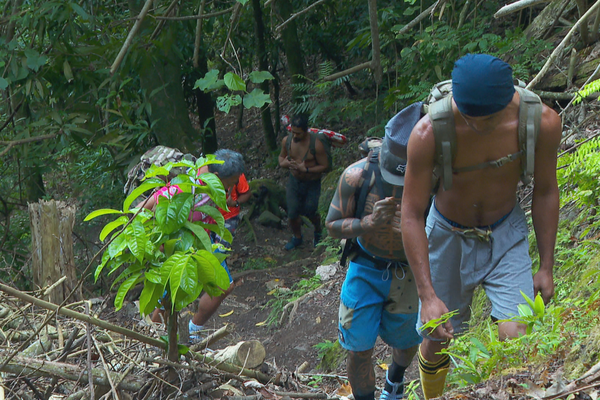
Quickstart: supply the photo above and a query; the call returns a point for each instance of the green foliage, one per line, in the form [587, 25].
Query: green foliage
[259, 263]
[284, 296]
[233, 82]
[331, 355]
[589, 89]
[164, 250]
[434, 323]
[579, 172]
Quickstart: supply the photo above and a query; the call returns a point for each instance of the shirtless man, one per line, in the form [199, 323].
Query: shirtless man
[379, 296]
[476, 233]
[304, 183]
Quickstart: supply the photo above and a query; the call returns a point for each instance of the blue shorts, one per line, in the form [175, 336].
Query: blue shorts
[460, 261]
[378, 302]
[302, 197]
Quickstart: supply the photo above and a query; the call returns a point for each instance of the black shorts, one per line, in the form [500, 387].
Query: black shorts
[302, 197]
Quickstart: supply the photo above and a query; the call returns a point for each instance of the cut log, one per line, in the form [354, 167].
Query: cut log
[249, 354]
[52, 249]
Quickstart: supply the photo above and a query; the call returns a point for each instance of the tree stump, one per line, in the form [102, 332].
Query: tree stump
[52, 249]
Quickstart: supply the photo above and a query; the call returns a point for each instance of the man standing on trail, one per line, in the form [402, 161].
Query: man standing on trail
[304, 183]
[476, 233]
[379, 296]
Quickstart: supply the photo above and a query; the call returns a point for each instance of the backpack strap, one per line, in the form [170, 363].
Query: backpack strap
[311, 145]
[530, 119]
[367, 184]
[444, 132]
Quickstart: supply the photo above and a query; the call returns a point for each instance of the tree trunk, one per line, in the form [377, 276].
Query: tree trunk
[160, 77]
[263, 65]
[205, 106]
[292, 48]
[52, 249]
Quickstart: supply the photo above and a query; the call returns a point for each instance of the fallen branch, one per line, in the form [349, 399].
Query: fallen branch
[132, 33]
[223, 366]
[296, 15]
[212, 338]
[82, 317]
[35, 367]
[516, 6]
[348, 71]
[562, 95]
[562, 44]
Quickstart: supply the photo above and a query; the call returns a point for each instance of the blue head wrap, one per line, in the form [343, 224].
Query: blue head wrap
[481, 84]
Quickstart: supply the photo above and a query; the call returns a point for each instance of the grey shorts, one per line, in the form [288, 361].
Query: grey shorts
[302, 197]
[460, 262]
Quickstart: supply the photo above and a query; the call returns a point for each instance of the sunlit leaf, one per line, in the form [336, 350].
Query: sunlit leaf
[102, 211]
[234, 82]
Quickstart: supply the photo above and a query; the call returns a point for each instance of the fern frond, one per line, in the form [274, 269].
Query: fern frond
[326, 68]
[587, 90]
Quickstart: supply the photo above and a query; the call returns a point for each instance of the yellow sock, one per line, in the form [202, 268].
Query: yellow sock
[433, 375]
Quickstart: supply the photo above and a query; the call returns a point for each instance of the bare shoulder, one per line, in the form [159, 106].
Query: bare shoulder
[352, 174]
[284, 141]
[422, 141]
[550, 129]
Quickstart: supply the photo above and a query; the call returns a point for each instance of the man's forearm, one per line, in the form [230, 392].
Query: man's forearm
[349, 228]
[544, 212]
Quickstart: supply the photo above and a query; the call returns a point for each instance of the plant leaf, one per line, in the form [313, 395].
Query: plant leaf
[103, 211]
[256, 98]
[124, 288]
[111, 226]
[171, 214]
[137, 192]
[234, 82]
[260, 76]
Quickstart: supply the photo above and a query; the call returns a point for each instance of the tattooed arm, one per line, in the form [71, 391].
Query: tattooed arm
[340, 221]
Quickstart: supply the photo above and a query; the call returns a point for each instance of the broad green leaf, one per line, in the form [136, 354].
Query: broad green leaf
[149, 297]
[136, 240]
[154, 275]
[225, 102]
[218, 217]
[538, 306]
[137, 192]
[117, 246]
[111, 226]
[189, 278]
[124, 288]
[210, 81]
[200, 233]
[156, 170]
[186, 240]
[116, 263]
[181, 348]
[105, 258]
[256, 98]
[525, 310]
[234, 82]
[528, 300]
[175, 265]
[170, 246]
[100, 212]
[216, 191]
[260, 76]
[3, 83]
[127, 272]
[171, 214]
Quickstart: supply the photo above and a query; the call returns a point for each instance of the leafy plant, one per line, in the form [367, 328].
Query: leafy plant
[331, 354]
[284, 296]
[587, 90]
[233, 82]
[434, 323]
[172, 256]
[579, 171]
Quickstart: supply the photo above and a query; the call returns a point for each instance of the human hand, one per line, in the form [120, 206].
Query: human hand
[543, 283]
[433, 309]
[383, 211]
[293, 163]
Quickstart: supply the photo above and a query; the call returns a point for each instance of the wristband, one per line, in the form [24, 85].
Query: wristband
[307, 170]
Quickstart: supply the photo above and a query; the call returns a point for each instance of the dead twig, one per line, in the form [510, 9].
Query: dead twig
[296, 15]
[517, 6]
[130, 36]
[558, 50]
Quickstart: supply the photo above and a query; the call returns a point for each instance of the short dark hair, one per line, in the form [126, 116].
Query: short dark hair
[300, 121]
[233, 164]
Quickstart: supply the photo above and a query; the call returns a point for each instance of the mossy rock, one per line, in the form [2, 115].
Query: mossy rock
[267, 195]
[584, 355]
[328, 186]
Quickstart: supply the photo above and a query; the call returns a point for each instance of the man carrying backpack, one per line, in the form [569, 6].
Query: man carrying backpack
[379, 296]
[307, 160]
[476, 233]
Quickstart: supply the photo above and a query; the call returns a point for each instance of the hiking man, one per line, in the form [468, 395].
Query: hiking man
[229, 173]
[304, 183]
[379, 296]
[476, 233]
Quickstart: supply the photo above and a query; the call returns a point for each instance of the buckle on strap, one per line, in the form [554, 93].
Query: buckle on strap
[483, 235]
[505, 160]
